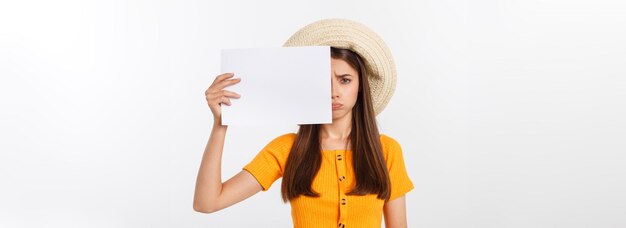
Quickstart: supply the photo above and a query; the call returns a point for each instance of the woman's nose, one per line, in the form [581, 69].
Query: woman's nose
[335, 92]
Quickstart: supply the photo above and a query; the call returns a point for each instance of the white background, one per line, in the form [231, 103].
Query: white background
[510, 113]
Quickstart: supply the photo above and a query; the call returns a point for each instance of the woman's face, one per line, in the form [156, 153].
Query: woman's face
[345, 88]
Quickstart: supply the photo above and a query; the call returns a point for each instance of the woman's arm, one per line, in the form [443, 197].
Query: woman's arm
[211, 194]
[395, 213]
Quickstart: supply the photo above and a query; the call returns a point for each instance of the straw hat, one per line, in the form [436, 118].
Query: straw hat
[347, 34]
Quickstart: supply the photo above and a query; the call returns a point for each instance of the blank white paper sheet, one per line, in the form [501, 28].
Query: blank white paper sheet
[279, 86]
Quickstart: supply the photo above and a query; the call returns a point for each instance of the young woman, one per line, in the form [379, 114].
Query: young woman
[343, 174]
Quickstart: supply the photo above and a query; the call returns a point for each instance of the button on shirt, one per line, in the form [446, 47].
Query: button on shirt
[335, 178]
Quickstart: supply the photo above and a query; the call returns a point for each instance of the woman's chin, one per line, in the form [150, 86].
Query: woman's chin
[338, 114]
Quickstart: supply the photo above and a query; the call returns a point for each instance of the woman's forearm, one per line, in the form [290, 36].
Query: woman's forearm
[209, 181]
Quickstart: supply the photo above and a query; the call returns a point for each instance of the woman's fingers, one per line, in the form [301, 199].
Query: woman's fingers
[226, 101]
[225, 80]
[222, 81]
[222, 96]
[217, 95]
[230, 94]
[228, 82]
[222, 93]
[222, 77]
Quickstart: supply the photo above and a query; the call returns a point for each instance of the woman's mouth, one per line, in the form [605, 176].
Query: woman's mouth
[337, 106]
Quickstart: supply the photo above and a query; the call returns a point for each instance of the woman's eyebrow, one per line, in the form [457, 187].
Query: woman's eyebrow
[343, 75]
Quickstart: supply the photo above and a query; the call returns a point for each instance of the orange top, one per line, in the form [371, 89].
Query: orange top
[334, 179]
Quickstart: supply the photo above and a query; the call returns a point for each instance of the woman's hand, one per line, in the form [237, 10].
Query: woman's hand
[216, 95]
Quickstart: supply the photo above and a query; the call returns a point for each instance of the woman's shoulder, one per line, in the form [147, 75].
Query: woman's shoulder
[388, 141]
[286, 137]
[390, 146]
[282, 141]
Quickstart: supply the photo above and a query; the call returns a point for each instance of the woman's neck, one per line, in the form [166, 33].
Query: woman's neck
[339, 130]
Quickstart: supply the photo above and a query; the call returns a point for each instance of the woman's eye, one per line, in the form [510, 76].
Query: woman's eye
[345, 80]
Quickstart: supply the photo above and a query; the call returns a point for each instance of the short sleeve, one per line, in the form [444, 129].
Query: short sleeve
[399, 178]
[268, 165]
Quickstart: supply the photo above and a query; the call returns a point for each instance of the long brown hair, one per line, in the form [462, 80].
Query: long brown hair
[370, 169]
